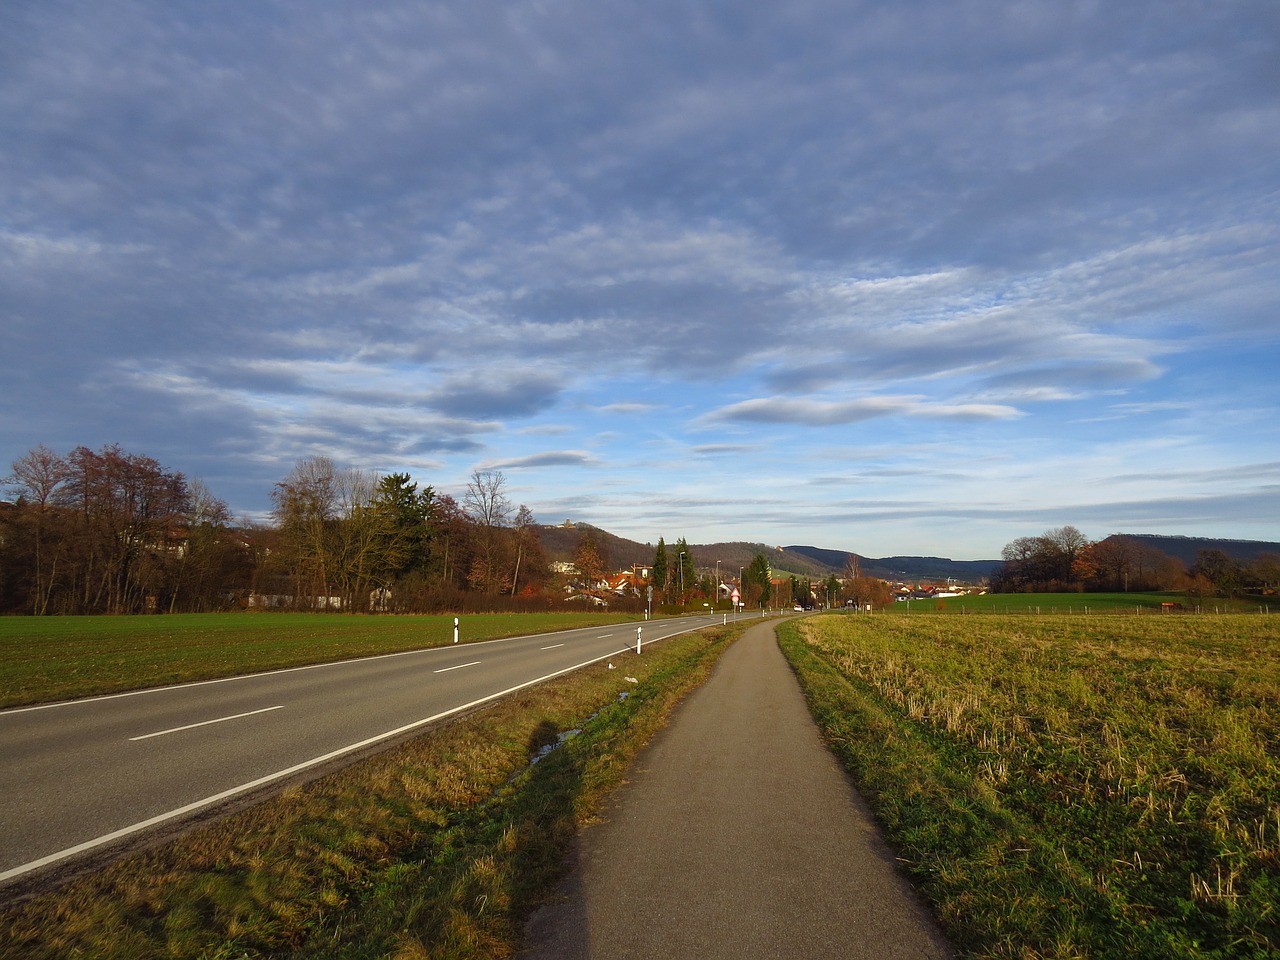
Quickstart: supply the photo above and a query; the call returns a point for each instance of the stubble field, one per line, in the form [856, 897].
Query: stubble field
[1067, 786]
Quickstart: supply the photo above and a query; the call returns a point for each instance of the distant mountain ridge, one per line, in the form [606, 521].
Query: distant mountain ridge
[1186, 548]
[903, 568]
[560, 543]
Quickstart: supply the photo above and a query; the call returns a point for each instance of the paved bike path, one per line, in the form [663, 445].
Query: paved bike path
[738, 835]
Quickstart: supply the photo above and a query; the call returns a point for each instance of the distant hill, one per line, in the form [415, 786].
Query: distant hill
[1186, 548]
[561, 542]
[903, 568]
[782, 561]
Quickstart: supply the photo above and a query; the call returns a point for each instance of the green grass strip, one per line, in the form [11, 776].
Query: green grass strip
[438, 848]
[44, 659]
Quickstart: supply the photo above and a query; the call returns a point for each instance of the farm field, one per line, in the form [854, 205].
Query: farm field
[1059, 786]
[56, 658]
[1085, 604]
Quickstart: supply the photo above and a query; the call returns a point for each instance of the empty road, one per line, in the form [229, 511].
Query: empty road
[78, 776]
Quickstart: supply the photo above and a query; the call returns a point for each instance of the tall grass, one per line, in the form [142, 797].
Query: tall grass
[1064, 787]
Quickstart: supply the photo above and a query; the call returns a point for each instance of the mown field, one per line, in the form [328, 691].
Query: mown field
[1067, 786]
[56, 658]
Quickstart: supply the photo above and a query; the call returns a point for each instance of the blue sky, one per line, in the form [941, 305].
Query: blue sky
[898, 278]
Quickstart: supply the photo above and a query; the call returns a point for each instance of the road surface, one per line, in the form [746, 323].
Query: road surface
[80, 776]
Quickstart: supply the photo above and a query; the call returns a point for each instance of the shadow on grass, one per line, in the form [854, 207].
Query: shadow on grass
[556, 924]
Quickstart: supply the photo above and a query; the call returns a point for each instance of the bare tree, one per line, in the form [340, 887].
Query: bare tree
[128, 514]
[487, 504]
[525, 538]
[36, 477]
[200, 559]
[305, 510]
[486, 499]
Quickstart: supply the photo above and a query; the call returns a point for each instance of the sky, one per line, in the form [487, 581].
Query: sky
[908, 278]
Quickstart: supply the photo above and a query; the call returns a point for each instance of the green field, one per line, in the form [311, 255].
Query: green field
[1067, 786]
[1084, 604]
[55, 658]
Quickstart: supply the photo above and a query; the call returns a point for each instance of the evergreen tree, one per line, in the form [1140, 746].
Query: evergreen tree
[758, 581]
[660, 567]
[684, 578]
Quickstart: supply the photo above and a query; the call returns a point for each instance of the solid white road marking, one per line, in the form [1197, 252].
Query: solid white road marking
[203, 723]
[458, 667]
[278, 775]
[290, 771]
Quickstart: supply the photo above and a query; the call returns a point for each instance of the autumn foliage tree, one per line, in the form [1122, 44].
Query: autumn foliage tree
[589, 558]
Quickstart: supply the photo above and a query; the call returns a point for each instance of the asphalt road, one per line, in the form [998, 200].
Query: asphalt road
[80, 776]
[736, 835]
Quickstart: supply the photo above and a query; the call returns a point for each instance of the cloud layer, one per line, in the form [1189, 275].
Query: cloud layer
[666, 267]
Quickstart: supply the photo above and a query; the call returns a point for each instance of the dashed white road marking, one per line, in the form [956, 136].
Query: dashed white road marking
[457, 667]
[203, 723]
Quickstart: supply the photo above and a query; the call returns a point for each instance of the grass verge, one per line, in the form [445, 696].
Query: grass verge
[58, 658]
[438, 848]
[1067, 788]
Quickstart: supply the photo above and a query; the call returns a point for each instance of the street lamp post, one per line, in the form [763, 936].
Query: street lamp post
[717, 603]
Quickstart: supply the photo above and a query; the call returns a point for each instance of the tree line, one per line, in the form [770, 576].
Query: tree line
[1063, 559]
[108, 531]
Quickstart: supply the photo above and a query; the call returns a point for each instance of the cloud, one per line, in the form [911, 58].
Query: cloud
[724, 449]
[824, 413]
[555, 458]
[641, 408]
[417, 236]
[486, 393]
[1066, 381]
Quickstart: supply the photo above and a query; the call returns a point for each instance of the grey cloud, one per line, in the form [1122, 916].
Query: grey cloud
[294, 226]
[1168, 513]
[492, 392]
[557, 458]
[724, 449]
[816, 413]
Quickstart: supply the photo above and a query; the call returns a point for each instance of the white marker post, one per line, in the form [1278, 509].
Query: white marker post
[637, 641]
[455, 629]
